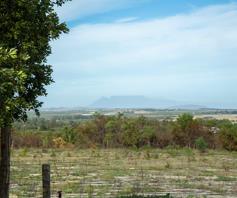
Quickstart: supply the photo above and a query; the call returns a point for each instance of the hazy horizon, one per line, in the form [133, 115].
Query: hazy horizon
[165, 103]
[183, 50]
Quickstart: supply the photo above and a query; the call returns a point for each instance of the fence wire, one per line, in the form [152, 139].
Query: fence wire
[90, 178]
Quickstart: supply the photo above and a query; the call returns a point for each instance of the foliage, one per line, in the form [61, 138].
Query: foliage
[130, 135]
[120, 131]
[228, 137]
[201, 144]
[69, 135]
[187, 130]
[26, 29]
[59, 142]
[184, 121]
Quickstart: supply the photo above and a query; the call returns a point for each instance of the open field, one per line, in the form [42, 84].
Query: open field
[81, 114]
[231, 117]
[113, 172]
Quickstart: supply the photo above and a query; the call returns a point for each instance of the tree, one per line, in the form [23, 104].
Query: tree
[184, 121]
[181, 131]
[228, 137]
[100, 121]
[69, 134]
[26, 28]
[187, 130]
[130, 135]
[111, 129]
[148, 134]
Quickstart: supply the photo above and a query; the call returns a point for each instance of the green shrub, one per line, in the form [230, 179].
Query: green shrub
[228, 137]
[201, 144]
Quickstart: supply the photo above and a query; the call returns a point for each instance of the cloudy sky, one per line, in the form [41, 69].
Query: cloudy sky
[183, 50]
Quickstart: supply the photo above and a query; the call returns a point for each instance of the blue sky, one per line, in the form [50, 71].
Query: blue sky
[183, 50]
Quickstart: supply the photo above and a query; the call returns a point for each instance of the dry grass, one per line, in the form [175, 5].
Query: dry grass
[113, 172]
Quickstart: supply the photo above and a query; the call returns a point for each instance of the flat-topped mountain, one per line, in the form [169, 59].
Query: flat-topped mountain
[132, 102]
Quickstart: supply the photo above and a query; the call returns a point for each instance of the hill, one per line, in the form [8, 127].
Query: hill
[132, 102]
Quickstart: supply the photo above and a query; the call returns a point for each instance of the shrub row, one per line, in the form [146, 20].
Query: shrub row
[119, 131]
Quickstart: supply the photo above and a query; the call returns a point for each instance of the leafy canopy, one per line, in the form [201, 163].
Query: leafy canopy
[26, 29]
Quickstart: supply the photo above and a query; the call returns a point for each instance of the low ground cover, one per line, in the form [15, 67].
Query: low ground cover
[122, 172]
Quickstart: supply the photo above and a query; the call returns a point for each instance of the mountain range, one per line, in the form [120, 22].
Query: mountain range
[140, 102]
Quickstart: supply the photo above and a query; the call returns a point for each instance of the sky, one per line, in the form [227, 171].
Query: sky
[182, 50]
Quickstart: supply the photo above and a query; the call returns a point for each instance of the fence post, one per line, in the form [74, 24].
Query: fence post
[46, 180]
[59, 194]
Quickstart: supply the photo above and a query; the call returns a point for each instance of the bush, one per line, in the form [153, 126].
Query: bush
[59, 142]
[201, 144]
[120, 131]
[228, 137]
[26, 140]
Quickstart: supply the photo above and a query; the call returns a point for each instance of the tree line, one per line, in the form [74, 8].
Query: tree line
[120, 131]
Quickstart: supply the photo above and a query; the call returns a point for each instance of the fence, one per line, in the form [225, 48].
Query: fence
[80, 179]
[100, 177]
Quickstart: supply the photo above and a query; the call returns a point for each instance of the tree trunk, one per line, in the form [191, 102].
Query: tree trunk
[5, 162]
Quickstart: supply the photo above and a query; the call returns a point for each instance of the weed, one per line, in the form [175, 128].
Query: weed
[23, 152]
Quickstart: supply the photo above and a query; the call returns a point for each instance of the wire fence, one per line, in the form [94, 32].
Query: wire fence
[79, 179]
[87, 178]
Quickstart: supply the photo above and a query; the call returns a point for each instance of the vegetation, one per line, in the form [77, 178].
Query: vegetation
[27, 27]
[201, 144]
[228, 137]
[108, 173]
[117, 156]
[142, 154]
[140, 196]
[120, 131]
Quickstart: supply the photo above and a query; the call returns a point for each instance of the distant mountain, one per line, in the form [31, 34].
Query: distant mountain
[132, 102]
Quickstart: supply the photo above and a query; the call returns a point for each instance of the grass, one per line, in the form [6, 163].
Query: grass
[121, 172]
[141, 196]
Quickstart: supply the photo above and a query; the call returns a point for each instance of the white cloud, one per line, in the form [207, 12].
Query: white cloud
[81, 8]
[115, 57]
[126, 20]
[204, 34]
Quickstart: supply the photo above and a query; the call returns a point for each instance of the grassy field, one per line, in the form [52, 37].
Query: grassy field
[117, 172]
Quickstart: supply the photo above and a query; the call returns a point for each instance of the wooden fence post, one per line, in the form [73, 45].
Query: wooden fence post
[46, 180]
[59, 194]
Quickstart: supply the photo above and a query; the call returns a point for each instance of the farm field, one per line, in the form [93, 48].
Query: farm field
[231, 117]
[116, 172]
